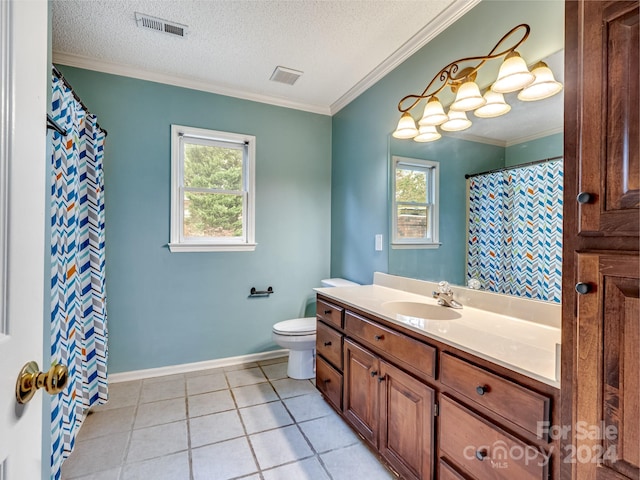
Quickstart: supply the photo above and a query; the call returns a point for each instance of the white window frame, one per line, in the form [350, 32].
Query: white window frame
[178, 242]
[433, 170]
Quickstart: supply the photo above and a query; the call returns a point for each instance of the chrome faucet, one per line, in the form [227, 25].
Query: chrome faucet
[445, 296]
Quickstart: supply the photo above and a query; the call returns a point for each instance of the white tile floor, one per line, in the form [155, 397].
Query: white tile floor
[244, 422]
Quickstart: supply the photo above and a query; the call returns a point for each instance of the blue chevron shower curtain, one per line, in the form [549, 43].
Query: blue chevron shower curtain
[515, 231]
[78, 298]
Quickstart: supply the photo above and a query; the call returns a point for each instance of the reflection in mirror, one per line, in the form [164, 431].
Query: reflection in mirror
[530, 132]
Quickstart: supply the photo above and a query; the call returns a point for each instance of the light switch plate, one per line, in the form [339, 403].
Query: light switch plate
[379, 242]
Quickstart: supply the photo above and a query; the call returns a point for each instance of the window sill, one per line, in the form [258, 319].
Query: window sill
[208, 247]
[416, 246]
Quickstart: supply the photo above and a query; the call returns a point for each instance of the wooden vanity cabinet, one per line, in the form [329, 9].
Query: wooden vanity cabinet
[415, 400]
[329, 340]
[392, 410]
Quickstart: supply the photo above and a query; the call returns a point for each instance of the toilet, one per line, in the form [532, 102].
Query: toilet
[298, 335]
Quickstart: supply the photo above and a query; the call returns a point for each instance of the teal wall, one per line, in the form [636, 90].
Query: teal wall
[539, 149]
[172, 308]
[360, 146]
[456, 158]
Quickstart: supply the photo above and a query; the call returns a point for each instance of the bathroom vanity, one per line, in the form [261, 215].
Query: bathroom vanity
[439, 392]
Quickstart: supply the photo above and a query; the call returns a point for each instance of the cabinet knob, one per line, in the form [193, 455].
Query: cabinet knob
[374, 373]
[378, 337]
[327, 312]
[584, 197]
[381, 379]
[327, 344]
[326, 381]
[482, 389]
[481, 454]
[583, 288]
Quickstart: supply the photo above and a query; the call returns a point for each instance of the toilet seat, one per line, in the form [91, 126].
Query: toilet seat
[296, 327]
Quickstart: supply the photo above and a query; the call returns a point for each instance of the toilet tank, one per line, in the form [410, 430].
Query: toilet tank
[337, 282]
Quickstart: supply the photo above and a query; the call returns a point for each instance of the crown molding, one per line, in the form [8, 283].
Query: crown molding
[535, 136]
[113, 68]
[475, 138]
[436, 26]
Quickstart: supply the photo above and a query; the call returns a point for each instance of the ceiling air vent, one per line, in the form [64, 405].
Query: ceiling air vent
[160, 25]
[285, 75]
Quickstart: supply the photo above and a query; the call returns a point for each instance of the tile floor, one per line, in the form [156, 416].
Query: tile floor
[243, 422]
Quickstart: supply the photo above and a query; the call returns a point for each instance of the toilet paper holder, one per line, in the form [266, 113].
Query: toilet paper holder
[260, 293]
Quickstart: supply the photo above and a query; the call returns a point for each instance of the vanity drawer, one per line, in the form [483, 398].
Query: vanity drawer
[329, 313]
[447, 472]
[507, 399]
[329, 344]
[329, 382]
[416, 357]
[484, 450]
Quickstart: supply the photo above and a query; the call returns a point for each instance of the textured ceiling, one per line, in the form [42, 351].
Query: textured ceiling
[234, 46]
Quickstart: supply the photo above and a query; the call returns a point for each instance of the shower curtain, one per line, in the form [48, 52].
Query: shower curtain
[515, 231]
[78, 296]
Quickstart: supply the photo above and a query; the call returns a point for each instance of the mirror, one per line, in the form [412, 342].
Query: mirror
[531, 131]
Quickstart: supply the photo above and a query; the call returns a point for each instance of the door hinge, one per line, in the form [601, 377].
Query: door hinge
[436, 410]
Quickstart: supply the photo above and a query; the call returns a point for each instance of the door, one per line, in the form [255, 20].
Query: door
[406, 423]
[609, 151]
[361, 377]
[609, 393]
[23, 166]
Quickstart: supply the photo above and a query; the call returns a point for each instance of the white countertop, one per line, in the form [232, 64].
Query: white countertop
[523, 346]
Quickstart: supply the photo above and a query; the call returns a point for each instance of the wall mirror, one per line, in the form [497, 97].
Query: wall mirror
[530, 132]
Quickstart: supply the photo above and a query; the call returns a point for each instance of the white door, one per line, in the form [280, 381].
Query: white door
[23, 165]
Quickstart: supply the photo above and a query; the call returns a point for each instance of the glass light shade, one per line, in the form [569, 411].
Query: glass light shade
[494, 107]
[406, 127]
[457, 121]
[427, 133]
[467, 98]
[433, 113]
[544, 86]
[513, 75]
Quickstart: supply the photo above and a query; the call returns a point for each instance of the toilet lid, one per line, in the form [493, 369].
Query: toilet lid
[296, 326]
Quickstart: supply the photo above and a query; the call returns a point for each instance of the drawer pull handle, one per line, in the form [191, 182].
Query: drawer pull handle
[583, 288]
[374, 373]
[482, 389]
[481, 454]
[381, 379]
[326, 381]
[327, 344]
[379, 337]
[327, 312]
[584, 197]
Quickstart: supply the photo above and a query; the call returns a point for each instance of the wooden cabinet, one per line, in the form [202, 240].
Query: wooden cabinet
[361, 369]
[406, 422]
[601, 313]
[392, 410]
[390, 383]
[497, 394]
[329, 338]
[484, 450]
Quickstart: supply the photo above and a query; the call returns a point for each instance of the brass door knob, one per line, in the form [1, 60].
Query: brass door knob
[31, 379]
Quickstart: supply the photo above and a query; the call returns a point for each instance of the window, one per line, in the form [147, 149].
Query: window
[212, 190]
[415, 203]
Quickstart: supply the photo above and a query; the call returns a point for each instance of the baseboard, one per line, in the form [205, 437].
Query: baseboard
[194, 367]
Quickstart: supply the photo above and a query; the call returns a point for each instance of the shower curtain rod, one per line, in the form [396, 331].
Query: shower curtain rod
[58, 74]
[512, 167]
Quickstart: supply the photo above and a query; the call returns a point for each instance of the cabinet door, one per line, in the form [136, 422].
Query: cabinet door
[361, 371]
[608, 153]
[608, 386]
[406, 423]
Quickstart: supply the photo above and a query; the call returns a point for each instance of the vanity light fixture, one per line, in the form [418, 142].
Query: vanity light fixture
[512, 76]
[494, 106]
[457, 121]
[544, 86]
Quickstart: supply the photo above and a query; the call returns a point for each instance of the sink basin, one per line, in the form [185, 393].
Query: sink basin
[421, 310]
